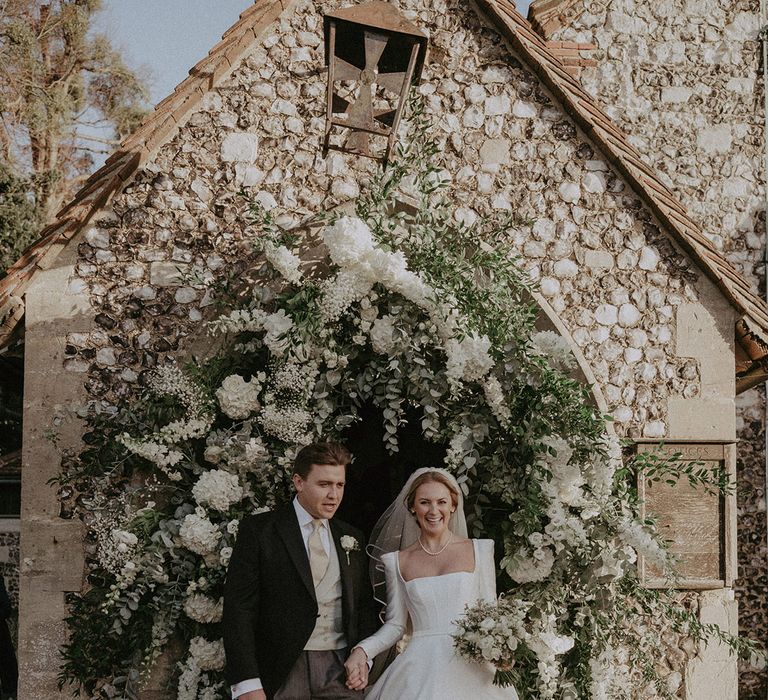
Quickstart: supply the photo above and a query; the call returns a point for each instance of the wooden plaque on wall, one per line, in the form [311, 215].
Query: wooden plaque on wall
[700, 526]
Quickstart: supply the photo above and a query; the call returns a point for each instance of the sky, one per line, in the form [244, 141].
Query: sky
[163, 39]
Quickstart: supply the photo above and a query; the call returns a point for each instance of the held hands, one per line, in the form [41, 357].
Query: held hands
[357, 669]
[253, 695]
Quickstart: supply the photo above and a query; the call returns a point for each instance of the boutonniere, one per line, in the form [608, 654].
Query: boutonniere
[349, 544]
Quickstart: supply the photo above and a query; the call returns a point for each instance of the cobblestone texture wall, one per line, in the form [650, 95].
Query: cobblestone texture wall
[612, 276]
[683, 79]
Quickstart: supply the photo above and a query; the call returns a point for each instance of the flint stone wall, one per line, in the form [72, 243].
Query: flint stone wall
[683, 79]
[653, 330]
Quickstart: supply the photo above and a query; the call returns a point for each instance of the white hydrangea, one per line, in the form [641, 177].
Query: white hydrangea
[218, 489]
[198, 534]
[383, 335]
[468, 358]
[555, 347]
[284, 261]
[208, 655]
[201, 608]
[238, 398]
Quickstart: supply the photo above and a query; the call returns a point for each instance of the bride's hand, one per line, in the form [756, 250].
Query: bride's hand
[357, 669]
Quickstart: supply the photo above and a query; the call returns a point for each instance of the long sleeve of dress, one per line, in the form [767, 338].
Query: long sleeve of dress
[487, 569]
[396, 614]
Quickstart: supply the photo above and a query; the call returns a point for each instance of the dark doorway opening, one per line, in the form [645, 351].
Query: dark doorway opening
[375, 477]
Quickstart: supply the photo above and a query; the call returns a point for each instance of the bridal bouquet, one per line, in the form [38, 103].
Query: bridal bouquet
[491, 632]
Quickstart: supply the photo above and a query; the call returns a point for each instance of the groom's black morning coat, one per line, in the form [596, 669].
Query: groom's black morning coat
[269, 598]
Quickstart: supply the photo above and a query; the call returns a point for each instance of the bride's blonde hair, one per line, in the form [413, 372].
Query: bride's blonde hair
[425, 478]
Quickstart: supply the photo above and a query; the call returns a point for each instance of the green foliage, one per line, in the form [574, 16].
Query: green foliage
[19, 218]
[62, 87]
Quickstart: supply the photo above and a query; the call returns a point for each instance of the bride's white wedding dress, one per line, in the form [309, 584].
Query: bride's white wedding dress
[430, 668]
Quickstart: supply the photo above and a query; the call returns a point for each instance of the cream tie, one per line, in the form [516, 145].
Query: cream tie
[318, 557]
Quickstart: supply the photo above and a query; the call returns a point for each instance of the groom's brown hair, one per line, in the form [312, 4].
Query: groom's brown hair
[320, 453]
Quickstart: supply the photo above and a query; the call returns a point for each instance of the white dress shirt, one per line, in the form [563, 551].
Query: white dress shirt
[305, 525]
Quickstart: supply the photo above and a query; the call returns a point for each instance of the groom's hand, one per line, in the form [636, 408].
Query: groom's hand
[253, 695]
[357, 669]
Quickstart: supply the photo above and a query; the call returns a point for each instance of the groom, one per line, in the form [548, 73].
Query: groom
[297, 596]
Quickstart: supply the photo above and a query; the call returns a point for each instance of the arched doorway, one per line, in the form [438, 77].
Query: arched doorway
[375, 477]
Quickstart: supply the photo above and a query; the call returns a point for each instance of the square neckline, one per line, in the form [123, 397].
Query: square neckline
[448, 573]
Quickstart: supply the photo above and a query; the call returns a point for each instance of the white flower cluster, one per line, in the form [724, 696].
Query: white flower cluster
[239, 321]
[555, 348]
[179, 430]
[203, 656]
[284, 261]
[340, 292]
[209, 655]
[199, 534]
[248, 456]
[610, 674]
[201, 608]
[169, 380]
[160, 455]
[287, 423]
[639, 537]
[494, 395]
[239, 398]
[491, 632]
[296, 378]
[527, 566]
[277, 326]
[468, 358]
[382, 335]
[548, 644]
[565, 485]
[218, 489]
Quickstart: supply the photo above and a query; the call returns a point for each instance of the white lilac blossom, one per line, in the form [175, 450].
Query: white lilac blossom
[284, 261]
[201, 608]
[239, 398]
[218, 489]
[494, 395]
[340, 292]
[199, 534]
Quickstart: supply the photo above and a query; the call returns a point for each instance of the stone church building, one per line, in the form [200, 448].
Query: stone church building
[627, 133]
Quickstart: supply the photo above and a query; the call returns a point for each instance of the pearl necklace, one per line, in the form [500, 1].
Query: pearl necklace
[439, 551]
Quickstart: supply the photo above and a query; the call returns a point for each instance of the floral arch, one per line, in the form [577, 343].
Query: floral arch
[409, 311]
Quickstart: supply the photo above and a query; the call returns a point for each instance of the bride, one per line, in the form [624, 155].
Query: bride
[431, 571]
